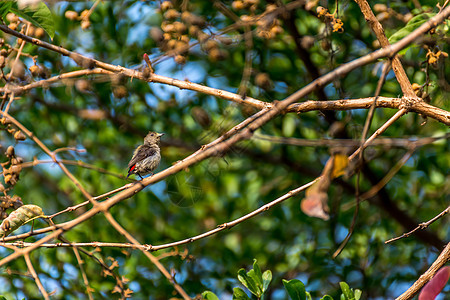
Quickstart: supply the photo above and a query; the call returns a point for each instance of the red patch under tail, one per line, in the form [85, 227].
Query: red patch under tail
[130, 171]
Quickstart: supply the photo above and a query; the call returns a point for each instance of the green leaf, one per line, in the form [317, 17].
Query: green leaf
[308, 296]
[358, 294]
[208, 295]
[249, 282]
[348, 294]
[421, 18]
[5, 8]
[295, 289]
[412, 25]
[267, 278]
[239, 294]
[39, 15]
[326, 297]
[257, 271]
[257, 278]
[289, 125]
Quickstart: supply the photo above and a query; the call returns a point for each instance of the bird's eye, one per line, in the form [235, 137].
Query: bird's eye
[152, 134]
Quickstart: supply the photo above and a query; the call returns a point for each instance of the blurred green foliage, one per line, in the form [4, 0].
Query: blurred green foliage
[249, 175]
[257, 284]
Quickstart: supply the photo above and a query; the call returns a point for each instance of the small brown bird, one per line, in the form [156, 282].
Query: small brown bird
[146, 157]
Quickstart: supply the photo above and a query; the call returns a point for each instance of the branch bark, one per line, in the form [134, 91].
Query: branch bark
[236, 134]
[442, 259]
[376, 27]
[412, 102]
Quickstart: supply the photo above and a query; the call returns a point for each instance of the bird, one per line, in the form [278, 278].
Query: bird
[146, 157]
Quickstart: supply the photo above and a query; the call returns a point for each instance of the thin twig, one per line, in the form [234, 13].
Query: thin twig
[22, 244]
[106, 269]
[380, 130]
[19, 53]
[49, 153]
[55, 79]
[386, 142]
[151, 257]
[73, 163]
[377, 187]
[91, 10]
[387, 178]
[11, 99]
[68, 209]
[83, 273]
[418, 106]
[62, 149]
[444, 5]
[386, 68]
[245, 133]
[35, 276]
[355, 215]
[377, 28]
[97, 198]
[231, 224]
[421, 226]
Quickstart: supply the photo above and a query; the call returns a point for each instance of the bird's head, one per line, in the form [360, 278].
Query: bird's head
[153, 137]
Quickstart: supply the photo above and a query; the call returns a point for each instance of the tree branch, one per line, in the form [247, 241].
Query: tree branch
[238, 133]
[442, 259]
[421, 226]
[417, 105]
[376, 27]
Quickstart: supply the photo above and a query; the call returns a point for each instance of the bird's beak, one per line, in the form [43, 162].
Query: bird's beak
[160, 134]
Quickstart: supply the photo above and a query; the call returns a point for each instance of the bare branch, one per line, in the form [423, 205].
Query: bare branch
[231, 224]
[35, 276]
[376, 27]
[47, 82]
[421, 226]
[78, 163]
[21, 244]
[386, 142]
[416, 106]
[83, 273]
[236, 133]
[49, 153]
[380, 130]
[442, 259]
[152, 258]
[386, 68]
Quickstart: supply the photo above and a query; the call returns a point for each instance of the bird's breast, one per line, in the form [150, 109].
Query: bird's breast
[149, 163]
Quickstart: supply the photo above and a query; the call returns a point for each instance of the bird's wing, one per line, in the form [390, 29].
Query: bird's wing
[141, 153]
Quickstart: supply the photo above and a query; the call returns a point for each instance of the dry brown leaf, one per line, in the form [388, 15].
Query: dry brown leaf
[19, 217]
[315, 205]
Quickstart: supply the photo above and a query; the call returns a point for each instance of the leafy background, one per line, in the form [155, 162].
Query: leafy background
[283, 239]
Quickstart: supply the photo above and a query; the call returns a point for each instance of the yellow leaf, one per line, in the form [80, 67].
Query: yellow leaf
[340, 164]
